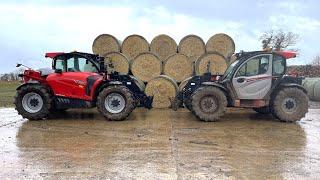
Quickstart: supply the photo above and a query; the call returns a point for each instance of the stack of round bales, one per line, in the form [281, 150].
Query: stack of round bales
[163, 63]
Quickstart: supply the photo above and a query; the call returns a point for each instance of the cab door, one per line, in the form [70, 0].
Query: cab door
[253, 79]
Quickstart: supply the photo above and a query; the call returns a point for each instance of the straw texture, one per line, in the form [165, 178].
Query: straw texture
[178, 67]
[221, 43]
[192, 46]
[146, 66]
[105, 43]
[134, 45]
[163, 46]
[217, 63]
[119, 61]
[163, 89]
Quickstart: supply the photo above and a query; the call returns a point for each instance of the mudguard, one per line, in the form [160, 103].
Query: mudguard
[293, 85]
[215, 85]
[29, 82]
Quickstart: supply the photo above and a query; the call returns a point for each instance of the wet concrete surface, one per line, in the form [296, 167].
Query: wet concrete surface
[159, 144]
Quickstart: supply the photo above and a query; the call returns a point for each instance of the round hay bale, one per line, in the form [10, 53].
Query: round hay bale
[134, 45]
[183, 83]
[217, 62]
[163, 46]
[178, 67]
[139, 83]
[146, 66]
[105, 43]
[192, 46]
[221, 43]
[163, 89]
[119, 61]
[310, 86]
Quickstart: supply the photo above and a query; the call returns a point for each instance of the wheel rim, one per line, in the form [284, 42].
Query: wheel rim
[114, 103]
[208, 104]
[32, 102]
[289, 105]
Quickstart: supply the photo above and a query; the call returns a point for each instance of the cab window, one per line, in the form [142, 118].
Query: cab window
[60, 64]
[80, 64]
[75, 64]
[255, 66]
[278, 65]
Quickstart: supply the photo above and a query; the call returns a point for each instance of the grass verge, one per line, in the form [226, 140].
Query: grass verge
[7, 92]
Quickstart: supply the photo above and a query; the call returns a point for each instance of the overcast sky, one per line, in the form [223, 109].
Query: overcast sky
[28, 29]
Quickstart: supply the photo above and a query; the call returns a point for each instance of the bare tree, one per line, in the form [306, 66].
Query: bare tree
[316, 61]
[278, 40]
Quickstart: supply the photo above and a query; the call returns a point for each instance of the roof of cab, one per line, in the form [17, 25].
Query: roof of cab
[53, 54]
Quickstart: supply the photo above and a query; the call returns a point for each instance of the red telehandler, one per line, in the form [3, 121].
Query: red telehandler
[78, 80]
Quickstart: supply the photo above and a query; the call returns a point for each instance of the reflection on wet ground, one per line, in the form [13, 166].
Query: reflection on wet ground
[160, 143]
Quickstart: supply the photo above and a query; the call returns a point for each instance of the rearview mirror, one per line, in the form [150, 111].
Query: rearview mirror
[58, 71]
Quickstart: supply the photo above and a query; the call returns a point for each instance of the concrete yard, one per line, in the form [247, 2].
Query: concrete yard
[159, 144]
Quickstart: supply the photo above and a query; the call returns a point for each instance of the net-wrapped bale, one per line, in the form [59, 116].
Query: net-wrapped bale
[119, 62]
[214, 62]
[183, 83]
[312, 86]
[221, 43]
[192, 46]
[163, 89]
[105, 43]
[134, 45]
[146, 66]
[163, 46]
[139, 83]
[178, 67]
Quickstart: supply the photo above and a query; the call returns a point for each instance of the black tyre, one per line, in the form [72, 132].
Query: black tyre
[115, 102]
[262, 110]
[208, 103]
[289, 105]
[33, 101]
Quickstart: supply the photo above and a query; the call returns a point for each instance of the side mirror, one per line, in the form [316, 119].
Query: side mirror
[58, 71]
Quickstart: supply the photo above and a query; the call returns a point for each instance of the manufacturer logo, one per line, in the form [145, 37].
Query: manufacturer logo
[79, 82]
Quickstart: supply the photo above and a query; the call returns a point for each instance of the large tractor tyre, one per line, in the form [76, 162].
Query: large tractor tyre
[262, 110]
[209, 103]
[115, 102]
[289, 105]
[33, 101]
